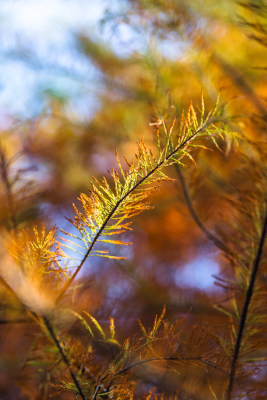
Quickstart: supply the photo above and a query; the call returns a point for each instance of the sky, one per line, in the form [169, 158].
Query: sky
[45, 29]
[198, 273]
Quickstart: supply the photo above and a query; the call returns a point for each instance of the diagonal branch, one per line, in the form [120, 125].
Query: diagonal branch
[63, 356]
[244, 314]
[240, 81]
[119, 202]
[52, 334]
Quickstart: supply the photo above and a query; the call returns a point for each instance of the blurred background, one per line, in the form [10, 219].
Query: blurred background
[81, 78]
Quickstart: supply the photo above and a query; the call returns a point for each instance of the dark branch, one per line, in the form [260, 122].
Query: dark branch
[54, 338]
[207, 363]
[244, 314]
[241, 82]
[63, 356]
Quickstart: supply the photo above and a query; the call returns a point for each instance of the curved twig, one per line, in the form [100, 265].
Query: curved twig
[140, 362]
[215, 240]
[171, 358]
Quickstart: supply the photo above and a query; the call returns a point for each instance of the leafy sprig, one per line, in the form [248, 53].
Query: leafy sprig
[109, 207]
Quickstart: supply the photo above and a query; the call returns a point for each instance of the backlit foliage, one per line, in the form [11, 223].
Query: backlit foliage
[109, 207]
[98, 308]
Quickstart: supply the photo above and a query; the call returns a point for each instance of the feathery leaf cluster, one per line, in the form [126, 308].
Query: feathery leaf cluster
[109, 207]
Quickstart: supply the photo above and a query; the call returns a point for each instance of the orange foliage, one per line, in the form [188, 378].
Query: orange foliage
[98, 310]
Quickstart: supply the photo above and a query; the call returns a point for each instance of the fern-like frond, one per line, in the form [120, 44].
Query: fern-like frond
[31, 267]
[109, 207]
[37, 253]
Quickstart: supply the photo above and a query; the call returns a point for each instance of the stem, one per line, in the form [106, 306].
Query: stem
[63, 356]
[112, 212]
[217, 242]
[140, 362]
[239, 80]
[53, 336]
[170, 359]
[7, 185]
[244, 314]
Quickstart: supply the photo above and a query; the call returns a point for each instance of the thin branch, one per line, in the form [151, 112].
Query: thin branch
[235, 75]
[55, 339]
[171, 359]
[148, 360]
[172, 153]
[7, 185]
[244, 314]
[63, 356]
[216, 241]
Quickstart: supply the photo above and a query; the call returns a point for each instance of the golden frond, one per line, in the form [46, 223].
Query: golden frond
[108, 208]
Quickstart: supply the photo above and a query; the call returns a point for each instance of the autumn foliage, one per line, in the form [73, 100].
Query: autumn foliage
[106, 222]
